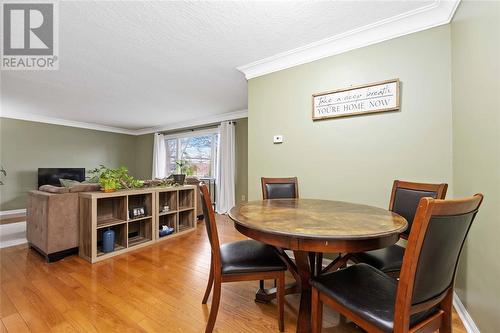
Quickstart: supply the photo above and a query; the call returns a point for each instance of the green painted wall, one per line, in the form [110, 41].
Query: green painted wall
[241, 143]
[356, 158]
[144, 154]
[26, 146]
[475, 35]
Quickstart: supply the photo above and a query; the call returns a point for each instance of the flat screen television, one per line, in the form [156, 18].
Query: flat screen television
[51, 176]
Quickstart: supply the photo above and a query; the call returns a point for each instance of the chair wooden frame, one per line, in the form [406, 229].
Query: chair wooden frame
[440, 190]
[290, 180]
[441, 320]
[216, 277]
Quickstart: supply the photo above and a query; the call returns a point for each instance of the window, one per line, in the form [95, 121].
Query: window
[198, 148]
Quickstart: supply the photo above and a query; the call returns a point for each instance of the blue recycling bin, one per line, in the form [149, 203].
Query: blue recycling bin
[108, 241]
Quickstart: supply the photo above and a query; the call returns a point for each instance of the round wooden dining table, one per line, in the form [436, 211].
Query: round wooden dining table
[309, 226]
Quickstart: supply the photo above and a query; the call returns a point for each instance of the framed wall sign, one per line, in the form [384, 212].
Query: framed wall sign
[368, 98]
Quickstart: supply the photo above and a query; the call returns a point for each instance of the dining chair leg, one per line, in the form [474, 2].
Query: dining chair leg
[312, 261]
[210, 283]
[281, 301]
[215, 305]
[446, 306]
[316, 311]
[319, 263]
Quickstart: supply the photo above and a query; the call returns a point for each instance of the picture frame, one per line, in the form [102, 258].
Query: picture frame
[382, 96]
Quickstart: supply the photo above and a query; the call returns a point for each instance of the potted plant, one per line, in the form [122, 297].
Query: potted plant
[115, 179]
[182, 168]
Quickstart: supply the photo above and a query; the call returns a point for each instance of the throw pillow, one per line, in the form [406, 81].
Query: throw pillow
[68, 182]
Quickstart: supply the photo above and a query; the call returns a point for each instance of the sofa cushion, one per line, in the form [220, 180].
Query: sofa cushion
[84, 188]
[53, 189]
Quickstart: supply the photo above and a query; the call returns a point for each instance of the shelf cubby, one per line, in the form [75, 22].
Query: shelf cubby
[168, 220]
[120, 238]
[186, 199]
[111, 211]
[186, 219]
[139, 232]
[168, 198]
[141, 200]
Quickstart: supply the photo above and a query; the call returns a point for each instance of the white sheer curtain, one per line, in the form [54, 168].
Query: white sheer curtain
[160, 158]
[225, 182]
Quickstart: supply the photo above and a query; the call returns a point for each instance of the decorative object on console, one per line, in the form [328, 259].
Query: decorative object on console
[183, 168]
[136, 212]
[157, 182]
[166, 230]
[108, 241]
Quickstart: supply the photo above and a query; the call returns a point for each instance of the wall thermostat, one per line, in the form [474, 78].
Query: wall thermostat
[278, 139]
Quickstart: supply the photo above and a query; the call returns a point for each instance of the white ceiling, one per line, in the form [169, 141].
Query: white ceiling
[136, 65]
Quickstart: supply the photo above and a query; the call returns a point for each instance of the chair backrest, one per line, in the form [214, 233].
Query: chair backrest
[210, 224]
[431, 257]
[280, 188]
[405, 197]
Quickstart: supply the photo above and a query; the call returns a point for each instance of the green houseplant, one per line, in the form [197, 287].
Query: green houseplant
[181, 168]
[115, 179]
[184, 168]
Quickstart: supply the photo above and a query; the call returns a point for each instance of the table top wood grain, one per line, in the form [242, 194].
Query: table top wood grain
[317, 219]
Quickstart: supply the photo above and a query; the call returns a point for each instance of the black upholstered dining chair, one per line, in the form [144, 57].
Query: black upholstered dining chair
[284, 188]
[280, 188]
[421, 301]
[245, 260]
[405, 197]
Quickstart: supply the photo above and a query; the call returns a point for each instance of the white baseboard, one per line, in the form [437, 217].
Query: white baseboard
[469, 324]
[12, 212]
[12, 234]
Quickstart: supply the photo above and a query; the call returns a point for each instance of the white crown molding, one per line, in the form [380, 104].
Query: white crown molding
[196, 122]
[469, 324]
[169, 127]
[432, 15]
[64, 122]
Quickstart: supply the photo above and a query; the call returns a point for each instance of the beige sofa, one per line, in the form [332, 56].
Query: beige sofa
[52, 223]
[52, 220]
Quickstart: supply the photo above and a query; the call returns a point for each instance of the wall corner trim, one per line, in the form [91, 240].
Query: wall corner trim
[469, 324]
[428, 16]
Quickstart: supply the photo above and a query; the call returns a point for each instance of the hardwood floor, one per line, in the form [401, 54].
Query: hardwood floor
[154, 289]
